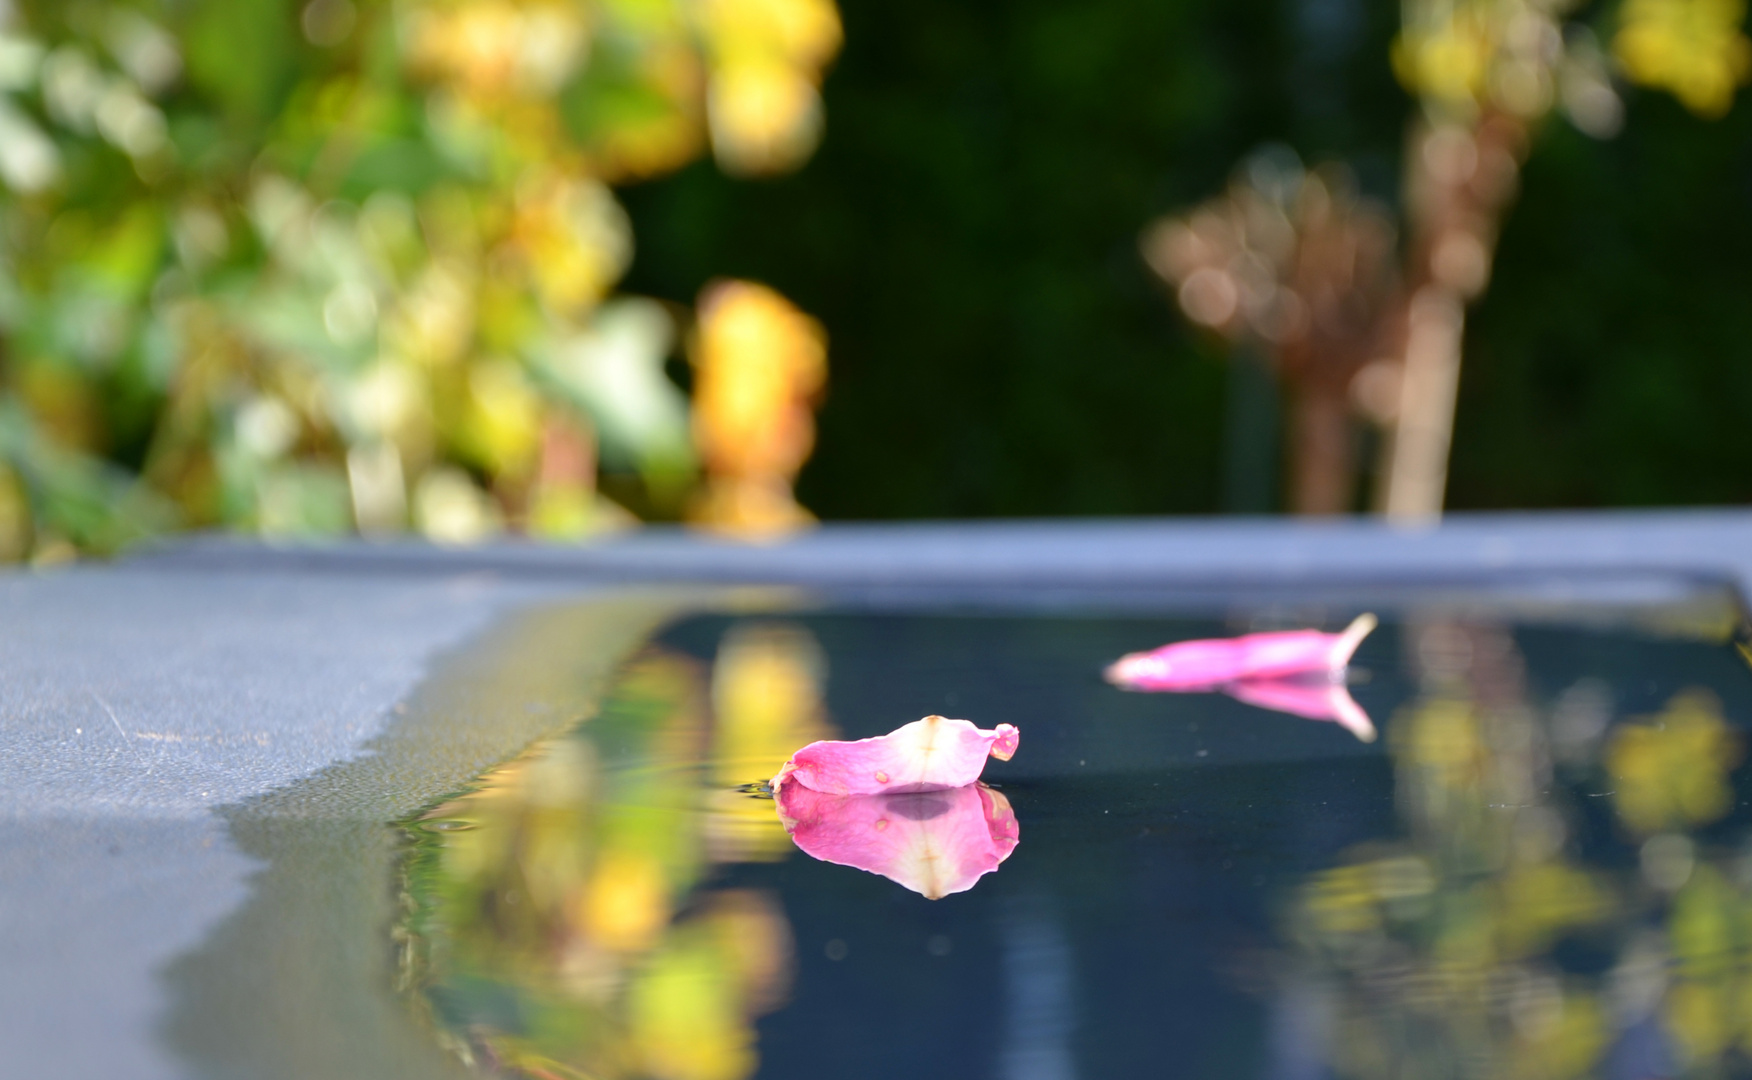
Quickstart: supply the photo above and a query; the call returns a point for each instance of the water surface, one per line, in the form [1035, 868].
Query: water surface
[1540, 869]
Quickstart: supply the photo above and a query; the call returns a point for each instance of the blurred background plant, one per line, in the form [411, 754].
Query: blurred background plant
[300, 267]
[306, 268]
[1293, 266]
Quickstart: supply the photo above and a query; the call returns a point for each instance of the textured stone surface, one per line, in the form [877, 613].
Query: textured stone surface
[134, 702]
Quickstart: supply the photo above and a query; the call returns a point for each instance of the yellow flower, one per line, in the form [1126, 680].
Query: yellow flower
[759, 361]
[490, 47]
[1448, 61]
[762, 105]
[760, 364]
[1694, 49]
[574, 239]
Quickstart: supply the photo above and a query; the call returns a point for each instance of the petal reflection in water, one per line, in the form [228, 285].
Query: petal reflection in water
[1316, 701]
[932, 842]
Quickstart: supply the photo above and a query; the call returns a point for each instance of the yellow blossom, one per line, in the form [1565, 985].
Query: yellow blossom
[1693, 48]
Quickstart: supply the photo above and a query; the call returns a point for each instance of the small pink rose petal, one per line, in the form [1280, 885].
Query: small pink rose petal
[932, 754]
[933, 842]
[1299, 671]
[1210, 663]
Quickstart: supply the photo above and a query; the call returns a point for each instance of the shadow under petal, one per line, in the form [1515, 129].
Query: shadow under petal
[918, 805]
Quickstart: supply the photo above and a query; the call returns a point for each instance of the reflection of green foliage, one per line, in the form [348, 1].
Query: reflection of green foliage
[685, 1017]
[1672, 771]
[575, 846]
[1710, 1004]
[1439, 949]
[558, 925]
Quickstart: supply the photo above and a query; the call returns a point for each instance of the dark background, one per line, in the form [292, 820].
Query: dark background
[968, 235]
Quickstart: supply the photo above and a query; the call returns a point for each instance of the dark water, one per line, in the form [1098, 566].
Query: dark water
[1541, 868]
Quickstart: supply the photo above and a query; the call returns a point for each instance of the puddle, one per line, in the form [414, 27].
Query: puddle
[1542, 867]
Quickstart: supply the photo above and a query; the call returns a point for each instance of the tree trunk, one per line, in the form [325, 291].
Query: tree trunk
[1325, 451]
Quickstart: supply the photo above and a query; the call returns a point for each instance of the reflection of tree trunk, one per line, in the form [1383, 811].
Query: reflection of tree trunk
[1324, 451]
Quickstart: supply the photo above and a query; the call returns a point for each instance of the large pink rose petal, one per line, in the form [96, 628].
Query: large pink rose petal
[932, 754]
[1209, 663]
[933, 842]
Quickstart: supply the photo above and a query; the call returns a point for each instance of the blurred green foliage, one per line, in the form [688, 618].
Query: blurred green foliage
[303, 267]
[310, 266]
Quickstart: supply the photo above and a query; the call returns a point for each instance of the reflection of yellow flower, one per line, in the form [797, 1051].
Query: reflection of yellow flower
[556, 885]
[1693, 48]
[1710, 927]
[756, 939]
[766, 689]
[1340, 901]
[1441, 740]
[15, 538]
[626, 903]
[766, 692]
[1698, 1017]
[1539, 903]
[1671, 772]
[1568, 1045]
[685, 1015]
[688, 1009]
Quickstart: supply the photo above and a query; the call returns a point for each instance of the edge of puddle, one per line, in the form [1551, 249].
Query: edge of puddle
[300, 981]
